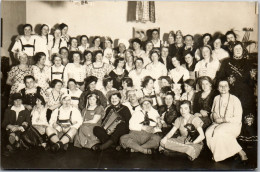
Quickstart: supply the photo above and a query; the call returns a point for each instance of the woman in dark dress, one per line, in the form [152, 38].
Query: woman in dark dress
[237, 70]
[118, 73]
[203, 101]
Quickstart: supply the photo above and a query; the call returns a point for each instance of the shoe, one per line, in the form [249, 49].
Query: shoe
[96, 147]
[55, 147]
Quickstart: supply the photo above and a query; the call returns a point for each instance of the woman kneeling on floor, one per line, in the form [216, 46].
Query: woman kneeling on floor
[190, 141]
[63, 125]
[144, 126]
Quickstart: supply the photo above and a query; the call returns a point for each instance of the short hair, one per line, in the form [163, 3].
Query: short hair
[137, 40]
[224, 80]
[76, 52]
[177, 57]
[117, 93]
[71, 80]
[186, 102]
[155, 30]
[53, 56]
[154, 51]
[28, 77]
[86, 52]
[54, 82]
[243, 48]
[190, 82]
[186, 52]
[146, 80]
[231, 32]
[96, 37]
[21, 53]
[170, 93]
[93, 94]
[166, 89]
[206, 34]
[83, 36]
[42, 26]
[108, 39]
[27, 25]
[204, 78]
[129, 81]
[98, 52]
[118, 60]
[63, 48]
[62, 26]
[189, 36]
[72, 39]
[89, 80]
[106, 80]
[38, 56]
[140, 59]
[41, 99]
[167, 78]
[130, 51]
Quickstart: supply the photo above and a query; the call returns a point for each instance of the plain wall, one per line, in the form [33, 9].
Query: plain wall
[109, 18]
[14, 15]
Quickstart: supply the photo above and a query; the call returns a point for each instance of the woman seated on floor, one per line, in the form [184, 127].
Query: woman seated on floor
[144, 129]
[63, 125]
[110, 131]
[192, 135]
[92, 116]
[16, 120]
[227, 122]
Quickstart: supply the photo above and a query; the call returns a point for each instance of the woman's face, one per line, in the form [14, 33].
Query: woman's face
[175, 62]
[121, 47]
[88, 57]
[184, 109]
[58, 86]
[217, 44]
[206, 86]
[42, 60]
[150, 84]
[76, 58]
[97, 42]
[155, 57]
[231, 38]
[92, 85]
[188, 59]
[171, 39]
[187, 88]
[188, 41]
[109, 85]
[179, 39]
[146, 106]
[165, 52]
[92, 101]
[74, 43]
[108, 44]
[99, 57]
[38, 103]
[57, 61]
[121, 64]
[29, 83]
[205, 53]
[149, 46]
[136, 46]
[155, 35]
[129, 57]
[17, 102]
[84, 41]
[27, 31]
[168, 100]
[64, 53]
[139, 64]
[115, 100]
[238, 51]
[72, 85]
[64, 30]
[124, 84]
[23, 59]
[66, 102]
[206, 40]
[57, 33]
[223, 87]
[45, 30]
[164, 83]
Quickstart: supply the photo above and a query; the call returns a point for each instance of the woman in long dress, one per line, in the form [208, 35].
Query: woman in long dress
[185, 143]
[227, 121]
[92, 116]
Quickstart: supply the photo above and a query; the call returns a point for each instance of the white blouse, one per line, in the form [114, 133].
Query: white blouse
[207, 69]
[176, 75]
[75, 72]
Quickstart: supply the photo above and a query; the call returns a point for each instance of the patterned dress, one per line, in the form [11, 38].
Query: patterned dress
[85, 137]
[99, 72]
[41, 76]
[17, 76]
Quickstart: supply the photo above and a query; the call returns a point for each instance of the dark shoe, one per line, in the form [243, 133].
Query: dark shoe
[55, 147]
[96, 147]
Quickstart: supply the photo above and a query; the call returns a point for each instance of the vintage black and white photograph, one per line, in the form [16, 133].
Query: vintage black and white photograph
[129, 85]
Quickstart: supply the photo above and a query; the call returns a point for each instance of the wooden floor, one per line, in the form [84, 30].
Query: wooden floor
[111, 159]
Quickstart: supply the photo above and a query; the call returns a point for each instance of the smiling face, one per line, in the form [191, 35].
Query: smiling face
[115, 100]
[139, 64]
[165, 52]
[188, 59]
[146, 106]
[136, 45]
[206, 85]
[150, 84]
[66, 102]
[57, 33]
[206, 53]
[29, 83]
[231, 38]
[223, 87]
[171, 39]
[92, 101]
[217, 44]
[149, 46]
[187, 88]
[168, 100]
[76, 58]
[188, 41]
[57, 61]
[132, 97]
[38, 103]
[88, 57]
[206, 40]
[64, 53]
[84, 41]
[99, 57]
[18, 102]
[23, 59]
[179, 39]
[58, 86]
[74, 43]
[72, 85]
[42, 60]
[164, 83]
[121, 64]
[64, 30]
[175, 62]
[97, 42]
[122, 48]
[27, 31]
[108, 44]
[155, 57]
[109, 85]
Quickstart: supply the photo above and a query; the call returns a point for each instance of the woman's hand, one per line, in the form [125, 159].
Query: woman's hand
[204, 113]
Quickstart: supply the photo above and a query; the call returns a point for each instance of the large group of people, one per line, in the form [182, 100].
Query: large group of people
[137, 96]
